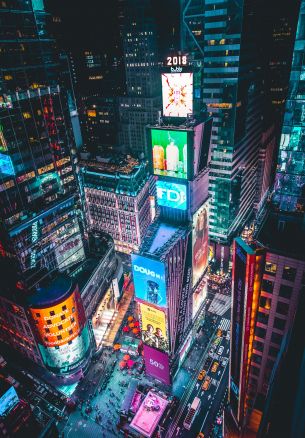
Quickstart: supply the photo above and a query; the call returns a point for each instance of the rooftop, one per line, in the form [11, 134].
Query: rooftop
[52, 292]
[283, 233]
[111, 165]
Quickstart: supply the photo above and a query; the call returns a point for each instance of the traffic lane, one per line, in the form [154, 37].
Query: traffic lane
[209, 421]
[208, 397]
[210, 404]
[189, 393]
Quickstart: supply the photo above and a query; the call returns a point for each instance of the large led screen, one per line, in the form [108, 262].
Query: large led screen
[153, 325]
[171, 195]
[8, 400]
[68, 357]
[200, 242]
[157, 364]
[177, 94]
[149, 280]
[59, 324]
[64, 339]
[169, 150]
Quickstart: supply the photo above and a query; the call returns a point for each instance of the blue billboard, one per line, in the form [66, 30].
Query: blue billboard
[149, 280]
[171, 195]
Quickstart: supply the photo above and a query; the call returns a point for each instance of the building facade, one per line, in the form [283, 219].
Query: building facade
[116, 200]
[225, 48]
[142, 102]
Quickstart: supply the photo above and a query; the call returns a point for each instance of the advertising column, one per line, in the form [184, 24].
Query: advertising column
[64, 341]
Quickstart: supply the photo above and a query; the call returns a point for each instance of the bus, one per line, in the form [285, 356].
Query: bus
[193, 411]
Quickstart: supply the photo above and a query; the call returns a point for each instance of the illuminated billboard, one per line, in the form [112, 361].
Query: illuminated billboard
[246, 275]
[8, 401]
[171, 195]
[200, 242]
[149, 414]
[177, 94]
[64, 340]
[199, 295]
[149, 280]
[153, 325]
[157, 364]
[169, 150]
[6, 165]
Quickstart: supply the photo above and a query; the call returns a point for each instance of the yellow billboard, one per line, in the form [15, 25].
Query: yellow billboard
[153, 324]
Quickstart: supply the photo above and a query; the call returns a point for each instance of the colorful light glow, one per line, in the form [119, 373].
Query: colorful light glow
[171, 195]
[177, 94]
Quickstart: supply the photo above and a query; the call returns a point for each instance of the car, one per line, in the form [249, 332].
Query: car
[214, 367]
[219, 333]
[220, 350]
[224, 361]
[201, 375]
[206, 383]
[200, 435]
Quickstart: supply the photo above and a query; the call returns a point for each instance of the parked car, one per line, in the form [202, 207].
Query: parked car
[220, 350]
[214, 367]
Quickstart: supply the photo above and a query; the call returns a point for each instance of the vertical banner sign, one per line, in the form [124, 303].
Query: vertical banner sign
[185, 293]
[243, 283]
[239, 278]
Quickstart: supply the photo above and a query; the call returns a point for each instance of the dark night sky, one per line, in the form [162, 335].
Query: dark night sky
[94, 24]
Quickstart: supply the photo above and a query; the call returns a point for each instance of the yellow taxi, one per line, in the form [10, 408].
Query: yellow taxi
[200, 435]
[219, 333]
[201, 375]
[206, 384]
[214, 367]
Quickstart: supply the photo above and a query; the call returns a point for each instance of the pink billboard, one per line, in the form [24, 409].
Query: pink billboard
[157, 364]
[149, 414]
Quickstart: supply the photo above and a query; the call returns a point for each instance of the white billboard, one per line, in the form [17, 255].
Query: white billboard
[177, 94]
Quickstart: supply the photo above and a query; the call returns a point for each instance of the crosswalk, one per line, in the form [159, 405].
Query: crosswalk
[220, 304]
[225, 324]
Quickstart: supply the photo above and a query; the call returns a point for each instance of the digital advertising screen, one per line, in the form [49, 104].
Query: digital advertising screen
[199, 295]
[149, 414]
[177, 94]
[169, 152]
[157, 364]
[68, 357]
[8, 401]
[149, 280]
[171, 195]
[200, 242]
[59, 324]
[153, 326]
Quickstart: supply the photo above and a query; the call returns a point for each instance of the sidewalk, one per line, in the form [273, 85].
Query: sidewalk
[121, 312]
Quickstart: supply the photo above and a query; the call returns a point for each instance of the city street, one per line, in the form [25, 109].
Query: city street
[210, 399]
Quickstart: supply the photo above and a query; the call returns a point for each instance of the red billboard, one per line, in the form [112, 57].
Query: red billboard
[157, 364]
[243, 273]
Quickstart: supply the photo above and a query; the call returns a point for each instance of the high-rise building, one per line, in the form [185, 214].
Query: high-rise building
[168, 270]
[259, 326]
[40, 223]
[290, 175]
[116, 199]
[284, 408]
[221, 38]
[142, 101]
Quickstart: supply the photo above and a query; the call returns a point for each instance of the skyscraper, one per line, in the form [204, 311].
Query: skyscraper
[280, 236]
[40, 224]
[221, 38]
[290, 176]
[142, 101]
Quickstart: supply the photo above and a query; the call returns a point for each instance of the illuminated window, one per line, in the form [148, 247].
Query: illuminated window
[265, 303]
[73, 309]
[270, 268]
[289, 273]
[26, 115]
[223, 41]
[8, 77]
